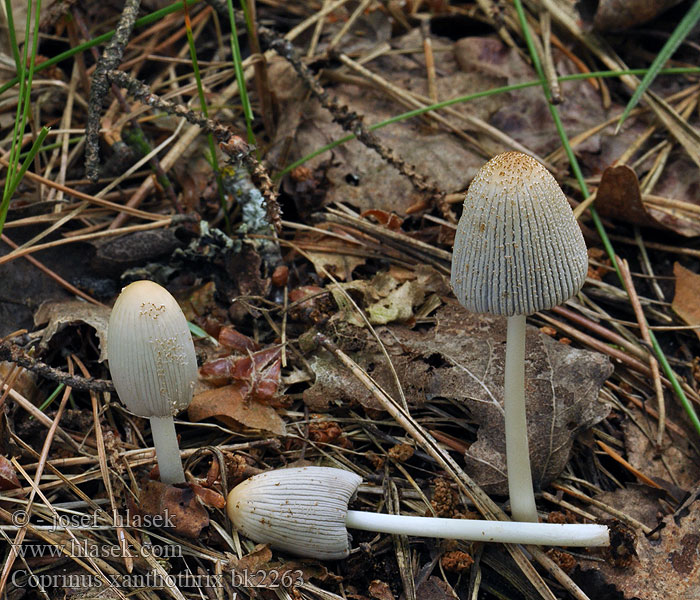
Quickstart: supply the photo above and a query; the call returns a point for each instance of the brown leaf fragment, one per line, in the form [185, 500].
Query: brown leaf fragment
[435, 588]
[71, 312]
[357, 175]
[172, 506]
[8, 476]
[389, 220]
[330, 254]
[462, 359]
[380, 590]
[228, 404]
[619, 197]
[252, 562]
[615, 15]
[208, 497]
[685, 300]
[234, 340]
[675, 463]
[667, 568]
[384, 298]
[334, 385]
[260, 371]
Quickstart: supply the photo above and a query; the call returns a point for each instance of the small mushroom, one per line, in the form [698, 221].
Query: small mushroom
[517, 250]
[304, 511]
[153, 365]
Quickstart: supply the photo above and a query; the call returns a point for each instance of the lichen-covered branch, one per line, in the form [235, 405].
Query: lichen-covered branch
[238, 150]
[352, 122]
[111, 58]
[12, 353]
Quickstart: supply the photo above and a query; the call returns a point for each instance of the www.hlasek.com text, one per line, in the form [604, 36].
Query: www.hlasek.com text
[90, 549]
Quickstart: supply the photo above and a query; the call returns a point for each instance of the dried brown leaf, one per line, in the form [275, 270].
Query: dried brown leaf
[676, 456]
[207, 496]
[462, 358]
[380, 590]
[71, 312]
[254, 561]
[234, 340]
[685, 299]
[170, 504]
[8, 476]
[330, 254]
[636, 501]
[615, 15]
[384, 298]
[515, 113]
[228, 404]
[435, 588]
[357, 175]
[619, 197]
[666, 568]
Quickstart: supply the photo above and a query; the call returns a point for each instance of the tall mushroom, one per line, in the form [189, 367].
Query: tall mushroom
[304, 511]
[517, 250]
[153, 365]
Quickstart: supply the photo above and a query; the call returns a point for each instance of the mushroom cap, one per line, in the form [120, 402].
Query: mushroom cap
[518, 248]
[150, 351]
[300, 510]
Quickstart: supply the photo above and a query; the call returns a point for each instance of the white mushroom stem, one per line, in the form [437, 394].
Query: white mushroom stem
[522, 496]
[167, 450]
[304, 511]
[506, 532]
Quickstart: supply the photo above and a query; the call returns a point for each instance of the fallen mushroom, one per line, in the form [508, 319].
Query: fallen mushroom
[304, 511]
[517, 250]
[153, 365]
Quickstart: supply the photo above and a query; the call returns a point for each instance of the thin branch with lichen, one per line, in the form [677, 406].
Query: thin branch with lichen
[353, 122]
[15, 354]
[237, 149]
[110, 59]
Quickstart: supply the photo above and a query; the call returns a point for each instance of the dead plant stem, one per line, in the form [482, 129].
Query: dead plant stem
[644, 331]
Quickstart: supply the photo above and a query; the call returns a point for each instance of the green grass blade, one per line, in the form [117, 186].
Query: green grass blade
[13, 36]
[469, 97]
[52, 396]
[240, 76]
[679, 34]
[20, 121]
[52, 146]
[23, 107]
[205, 112]
[663, 361]
[197, 331]
[14, 180]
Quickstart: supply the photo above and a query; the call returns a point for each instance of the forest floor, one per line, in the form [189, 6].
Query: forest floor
[293, 173]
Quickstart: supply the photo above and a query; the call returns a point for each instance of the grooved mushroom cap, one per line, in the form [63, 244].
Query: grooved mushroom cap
[300, 510]
[518, 248]
[150, 350]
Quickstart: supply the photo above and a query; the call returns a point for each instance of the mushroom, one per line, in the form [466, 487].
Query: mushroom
[153, 365]
[517, 250]
[304, 511]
